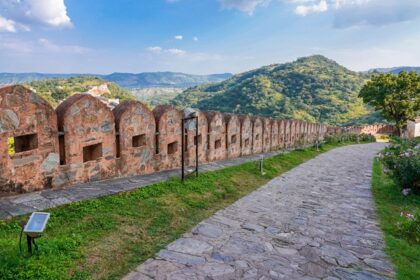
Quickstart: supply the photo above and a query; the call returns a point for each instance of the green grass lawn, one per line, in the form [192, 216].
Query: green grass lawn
[107, 237]
[404, 250]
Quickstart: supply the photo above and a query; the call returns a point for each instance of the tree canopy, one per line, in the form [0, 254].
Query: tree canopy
[397, 97]
[312, 88]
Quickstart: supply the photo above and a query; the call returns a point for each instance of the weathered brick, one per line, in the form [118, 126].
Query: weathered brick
[31, 123]
[89, 138]
[233, 134]
[136, 128]
[266, 134]
[168, 140]
[246, 135]
[257, 135]
[216, 136]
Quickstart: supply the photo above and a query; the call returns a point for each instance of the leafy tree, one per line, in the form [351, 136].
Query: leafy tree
[397, 97]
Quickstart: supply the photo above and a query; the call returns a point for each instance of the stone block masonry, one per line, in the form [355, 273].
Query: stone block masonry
[233, 133]
[87, 140]
[257, 135]
[135, 141]
[216, 136]
[83, 140]
[168, 137]
[246, 135]
[29, 148]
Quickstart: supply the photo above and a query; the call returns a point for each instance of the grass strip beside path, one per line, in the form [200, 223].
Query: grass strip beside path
[105, 238]
[390, 203]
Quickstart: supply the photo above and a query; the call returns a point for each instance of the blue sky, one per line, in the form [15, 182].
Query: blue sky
[203, 36]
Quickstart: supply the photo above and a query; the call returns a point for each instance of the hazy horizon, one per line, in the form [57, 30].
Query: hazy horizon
[204, 37]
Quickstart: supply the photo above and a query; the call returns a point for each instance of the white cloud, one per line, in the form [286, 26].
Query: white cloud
[304, 10]
[195, 38]
[179, 37]
[177, 52]
[155, 49]
[50, 46]
[374, 12]
[160, 50]
[246, 6]
[28, 12]
[7, 25]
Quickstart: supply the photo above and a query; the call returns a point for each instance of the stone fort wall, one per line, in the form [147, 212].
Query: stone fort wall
[83, 140]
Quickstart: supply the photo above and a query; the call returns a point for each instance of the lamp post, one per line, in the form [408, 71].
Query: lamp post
[189, 115]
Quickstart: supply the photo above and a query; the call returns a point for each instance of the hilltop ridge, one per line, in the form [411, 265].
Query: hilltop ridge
[313, 88]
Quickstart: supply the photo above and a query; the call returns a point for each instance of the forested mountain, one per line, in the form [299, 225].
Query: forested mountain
[127, 80]
[17, 78]
[396, 70]
[56, 90]
[310, 88]
[163, 79]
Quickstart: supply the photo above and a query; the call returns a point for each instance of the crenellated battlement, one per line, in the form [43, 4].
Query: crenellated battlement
[83, 140]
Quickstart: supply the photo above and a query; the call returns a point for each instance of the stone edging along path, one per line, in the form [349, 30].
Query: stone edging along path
[21, 204]
[316, 221]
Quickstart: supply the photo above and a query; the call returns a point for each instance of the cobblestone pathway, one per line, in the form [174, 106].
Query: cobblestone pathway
[316, 221]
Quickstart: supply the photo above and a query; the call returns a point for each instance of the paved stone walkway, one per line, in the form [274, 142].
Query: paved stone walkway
[316, 221]
[37, 201]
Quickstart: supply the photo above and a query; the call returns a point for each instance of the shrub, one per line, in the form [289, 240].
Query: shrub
[409, 226]
[362, 138]
[402, 159]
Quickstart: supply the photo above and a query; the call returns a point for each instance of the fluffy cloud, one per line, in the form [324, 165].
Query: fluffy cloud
[155, 49]
[177, 52]
[246, 6]
[374, 12]
[21, 13]
[303, 10]
[179, 37]
[7, 25]
[360, 12]
[160, 50]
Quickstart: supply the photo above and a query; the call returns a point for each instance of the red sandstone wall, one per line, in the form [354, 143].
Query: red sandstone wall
[233, 135]
[287, 136]
[168, 126]
[282, 134]
[23, 113]
[246, 135]
[136, 128]
[293, 133]
[191, 141]
[216, 136]
[266, 134]
[86, 121]
[257, 135]
[274, 134]
[137, 142]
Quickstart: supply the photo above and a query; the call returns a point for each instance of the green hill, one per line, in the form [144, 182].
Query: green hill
[127, 80]
[56, 90]
[310, 88]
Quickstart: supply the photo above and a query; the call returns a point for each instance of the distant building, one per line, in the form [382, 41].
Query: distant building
[99, 91]
[413, 128]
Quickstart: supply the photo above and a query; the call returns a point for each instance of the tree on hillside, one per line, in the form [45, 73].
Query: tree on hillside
[397, 97]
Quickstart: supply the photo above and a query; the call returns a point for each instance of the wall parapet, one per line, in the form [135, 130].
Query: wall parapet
[83, 140]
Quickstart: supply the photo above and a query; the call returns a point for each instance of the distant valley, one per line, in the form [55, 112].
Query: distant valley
[312, 88]
[126, 80]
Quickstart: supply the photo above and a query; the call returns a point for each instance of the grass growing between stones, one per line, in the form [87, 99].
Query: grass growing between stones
[105, 238]
[403, 249]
